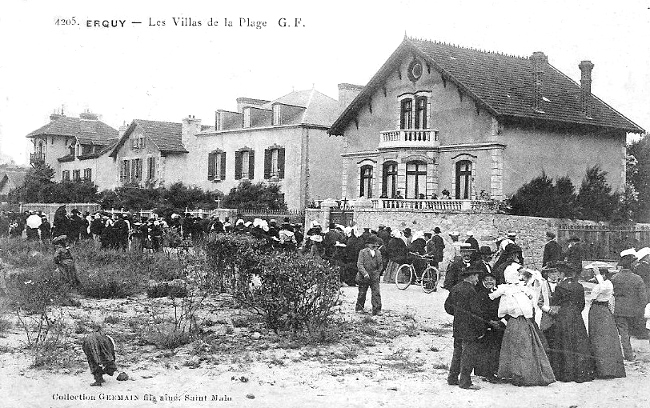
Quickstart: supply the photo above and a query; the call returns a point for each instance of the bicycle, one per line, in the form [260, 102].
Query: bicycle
[428, 279]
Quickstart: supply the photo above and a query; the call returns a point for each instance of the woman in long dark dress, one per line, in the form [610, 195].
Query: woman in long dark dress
[603, 335]
[570, 350]
[490, 344]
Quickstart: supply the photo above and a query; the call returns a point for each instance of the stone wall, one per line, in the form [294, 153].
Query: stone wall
[486, 228]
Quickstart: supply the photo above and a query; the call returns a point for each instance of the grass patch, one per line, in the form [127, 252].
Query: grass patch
[112, 319]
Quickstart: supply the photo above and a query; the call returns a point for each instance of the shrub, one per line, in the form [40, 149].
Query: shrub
[292, 292]
[110, 282]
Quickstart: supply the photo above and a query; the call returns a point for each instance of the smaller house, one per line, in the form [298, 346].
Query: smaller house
[11, 177]
[68, 144]
[149, 153]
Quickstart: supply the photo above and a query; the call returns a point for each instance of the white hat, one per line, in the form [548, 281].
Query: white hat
[643, 252]
[629, 251]
[338, 244]
[316, 238]
[470, 234]
[512, 234]
[454, 234]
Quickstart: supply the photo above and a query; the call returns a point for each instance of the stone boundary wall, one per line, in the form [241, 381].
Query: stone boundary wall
[486, 227]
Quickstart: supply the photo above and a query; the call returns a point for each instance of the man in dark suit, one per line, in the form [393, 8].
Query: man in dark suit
[436, 247]
[468, 327]
[629, 300]
[370, 266]
[482, 263]
[552, 250]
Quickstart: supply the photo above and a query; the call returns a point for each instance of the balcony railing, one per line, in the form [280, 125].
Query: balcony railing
[36, 157]
[476, 206]
[408, 138]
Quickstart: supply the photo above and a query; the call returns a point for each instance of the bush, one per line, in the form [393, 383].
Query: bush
[111, 282]
[292, 292]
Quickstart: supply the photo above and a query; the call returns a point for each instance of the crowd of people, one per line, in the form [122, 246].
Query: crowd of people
[522, 326]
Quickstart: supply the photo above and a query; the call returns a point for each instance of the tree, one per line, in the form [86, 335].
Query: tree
[36, 179]
[565, 196]
[595, 200]
[259, 195]
[638, 176]
[534, 198]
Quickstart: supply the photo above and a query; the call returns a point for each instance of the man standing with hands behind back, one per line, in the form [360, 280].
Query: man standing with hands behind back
[370, 266]
[468, 326]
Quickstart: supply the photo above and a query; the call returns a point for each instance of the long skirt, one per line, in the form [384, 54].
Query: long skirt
[605, 344]
[523, 360]
[100, 353]
[487, 360]
[570, 352]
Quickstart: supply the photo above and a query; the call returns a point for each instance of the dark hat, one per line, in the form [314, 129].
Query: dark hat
[75, 211]
[485, 250]
[469, 271]
[374, 241]
[550, 234]
[436, 230]
[574, 239]
[512, 249]
[427, 234]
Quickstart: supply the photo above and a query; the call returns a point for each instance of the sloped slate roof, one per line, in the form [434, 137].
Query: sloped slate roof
[502, 84]
[86, 131]
[167, 136]
[320, 109]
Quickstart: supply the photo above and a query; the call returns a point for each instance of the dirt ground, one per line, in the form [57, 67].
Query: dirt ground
[394, 360]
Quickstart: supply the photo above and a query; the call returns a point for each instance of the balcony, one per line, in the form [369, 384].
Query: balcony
[36, 157]
[409, 138]
[468, 206]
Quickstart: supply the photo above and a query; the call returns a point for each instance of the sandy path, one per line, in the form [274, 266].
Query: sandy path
[373, 375]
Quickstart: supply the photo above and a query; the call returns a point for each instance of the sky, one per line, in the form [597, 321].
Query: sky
[149, 71]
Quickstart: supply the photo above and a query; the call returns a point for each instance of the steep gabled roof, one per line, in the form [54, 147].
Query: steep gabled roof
[13, 177]
[167, 136]
[87, 131]
[501, 84]
[320, 109]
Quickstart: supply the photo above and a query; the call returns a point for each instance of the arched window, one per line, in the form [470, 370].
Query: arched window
[421, 112]
[389, 185]
[416, 179]
[463, 179]
[406, 114]
[365, 188]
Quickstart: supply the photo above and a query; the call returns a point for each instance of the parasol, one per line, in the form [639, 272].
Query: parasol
[34, 221]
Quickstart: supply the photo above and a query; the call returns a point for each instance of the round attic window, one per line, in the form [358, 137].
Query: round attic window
[415, 70]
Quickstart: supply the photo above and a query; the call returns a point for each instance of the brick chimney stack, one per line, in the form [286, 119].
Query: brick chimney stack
[585, 87]
[539, 61]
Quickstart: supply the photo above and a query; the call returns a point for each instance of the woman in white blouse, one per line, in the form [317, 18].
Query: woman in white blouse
[522, 360]
[603, 336]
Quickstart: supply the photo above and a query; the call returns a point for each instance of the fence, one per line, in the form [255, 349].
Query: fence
[602, 242]
[294, 216]
[50, 209]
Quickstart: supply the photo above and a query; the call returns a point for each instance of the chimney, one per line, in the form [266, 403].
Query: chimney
[347, 92]
[190, 127]
[539, 61]
[585, 87]
[122, 129]
[88, 115]
[55, 115]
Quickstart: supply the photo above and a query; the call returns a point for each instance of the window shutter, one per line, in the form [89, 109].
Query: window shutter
[361, 180]
[212, 159]
[222, 170]
[281, 163]
[237, 165]
[138, 171]
[251, 165]
[267, 163]
[127, 170]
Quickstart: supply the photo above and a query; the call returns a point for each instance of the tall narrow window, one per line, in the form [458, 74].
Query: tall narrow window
[365, 189]
[88, 173]
[463, 179]
[76, 175]
[416, 179]
[65, 175]
[389, 186]
[421, 112]
[245, 164]
[151, 168]
[406, 114]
